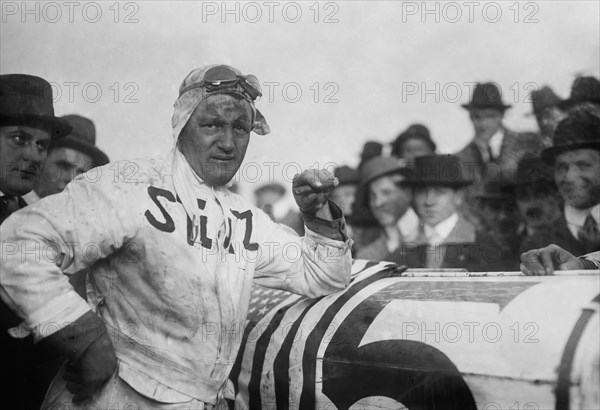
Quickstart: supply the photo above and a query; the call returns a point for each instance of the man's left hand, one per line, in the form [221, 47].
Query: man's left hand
[312, 189]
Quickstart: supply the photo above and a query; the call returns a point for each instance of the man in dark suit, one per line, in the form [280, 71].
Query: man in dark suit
[27, 127]
[575, 158]
[495, 150]
[446, 239]
[548, 112]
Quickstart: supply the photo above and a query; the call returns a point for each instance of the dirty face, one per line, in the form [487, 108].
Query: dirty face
[215, 138]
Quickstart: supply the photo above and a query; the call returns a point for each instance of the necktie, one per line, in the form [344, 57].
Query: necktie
[490, 153]
[589, 235]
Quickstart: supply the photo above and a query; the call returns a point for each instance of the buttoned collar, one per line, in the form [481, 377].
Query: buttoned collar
[441, 231]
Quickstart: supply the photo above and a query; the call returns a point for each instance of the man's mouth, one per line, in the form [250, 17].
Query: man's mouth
[28, 173]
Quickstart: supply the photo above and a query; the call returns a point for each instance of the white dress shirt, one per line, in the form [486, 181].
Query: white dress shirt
[438, 233]
[496, 143]
[408, 225]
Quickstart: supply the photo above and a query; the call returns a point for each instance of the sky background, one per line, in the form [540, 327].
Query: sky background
[334, 74]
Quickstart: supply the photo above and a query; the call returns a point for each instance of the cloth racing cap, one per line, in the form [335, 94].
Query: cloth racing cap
[211, 80]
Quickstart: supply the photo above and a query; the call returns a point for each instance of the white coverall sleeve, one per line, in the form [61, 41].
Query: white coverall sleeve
[313, 265]
[61, 233]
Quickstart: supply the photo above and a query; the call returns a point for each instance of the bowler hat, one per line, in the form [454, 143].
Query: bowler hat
[486, 95]
[346, 175]
[82, 138]
[417, 131]
[438, 170]
[584, 89]
[543, 98]
[27, 100]
[496, 189]
[381, 166]
[580, 129]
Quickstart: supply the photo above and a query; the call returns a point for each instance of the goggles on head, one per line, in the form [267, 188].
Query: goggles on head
[222, 79]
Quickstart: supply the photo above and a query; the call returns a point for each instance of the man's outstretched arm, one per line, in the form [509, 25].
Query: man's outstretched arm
[544, 261]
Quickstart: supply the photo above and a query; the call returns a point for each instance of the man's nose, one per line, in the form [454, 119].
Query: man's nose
[429, 197]
[226, 140]
[571, 175]
[33, 153]
[378, 202]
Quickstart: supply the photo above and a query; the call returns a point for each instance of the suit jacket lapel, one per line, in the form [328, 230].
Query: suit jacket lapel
[463, 232]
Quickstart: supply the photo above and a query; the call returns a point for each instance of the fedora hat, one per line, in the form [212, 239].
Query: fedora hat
[346, 175]
[580, 129]
[438, 170]
[583, 89]
[486, 95]
[27, 100]
[82, 138]
[379, 166]
[543, 98]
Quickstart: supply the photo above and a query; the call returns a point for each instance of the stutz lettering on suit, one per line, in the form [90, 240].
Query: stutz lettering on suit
[192, 231]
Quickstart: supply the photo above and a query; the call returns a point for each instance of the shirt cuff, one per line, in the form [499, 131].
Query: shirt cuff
[335, 229]
[589, 263]
[56, 315]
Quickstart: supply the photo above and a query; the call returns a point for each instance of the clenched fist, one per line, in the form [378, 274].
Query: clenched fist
[312, 188]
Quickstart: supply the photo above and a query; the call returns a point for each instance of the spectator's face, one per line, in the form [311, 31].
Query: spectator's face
[23, 151]
[577, 176]
[500, 216]
[539, 213]
[215, 139]
[344, 196]
[434, 204]
[62, 165]
[415, 147]
[486, 121]
[387, 201]
[267, 198]
[548, 119]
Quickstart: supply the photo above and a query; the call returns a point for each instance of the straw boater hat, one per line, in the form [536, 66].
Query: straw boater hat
[27, 100]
